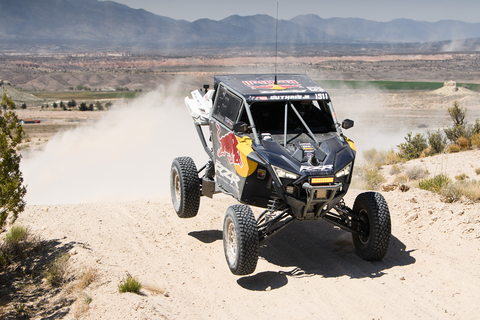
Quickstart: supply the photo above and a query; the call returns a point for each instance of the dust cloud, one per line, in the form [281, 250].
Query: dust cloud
[375, 126]
[124, 156]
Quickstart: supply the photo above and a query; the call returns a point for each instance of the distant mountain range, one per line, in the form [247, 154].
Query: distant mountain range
[108, 22]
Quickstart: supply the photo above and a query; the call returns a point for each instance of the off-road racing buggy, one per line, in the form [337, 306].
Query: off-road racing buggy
[275, 143]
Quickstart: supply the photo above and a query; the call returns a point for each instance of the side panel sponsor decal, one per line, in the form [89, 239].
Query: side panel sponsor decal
[228, 148]
[231, 177]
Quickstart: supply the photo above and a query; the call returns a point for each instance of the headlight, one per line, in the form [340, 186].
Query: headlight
[345, 171]
[281, 173]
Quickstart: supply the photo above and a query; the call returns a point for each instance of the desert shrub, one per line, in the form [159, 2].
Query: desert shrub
[392, 158]
[469, 189]
[15, 235]
[395, 169]
[11, 181]
[453, 148]
[372, 176]
[461, 177]
[475, 139]
[475, 128]
[412, 147]
[373, 157]
[450, 193]
[426, 152]
[17, 243]
[56, 272]
[434, 184]
[416, 173]
[457, 113]
[477, 171]
[464, 143]
[403, 178]
[455, 132]
[437, 141]
[130, 284]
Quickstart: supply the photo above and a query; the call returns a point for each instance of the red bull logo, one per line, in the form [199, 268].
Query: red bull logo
[228, 147]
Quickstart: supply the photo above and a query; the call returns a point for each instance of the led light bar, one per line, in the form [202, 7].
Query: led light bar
[321, 180]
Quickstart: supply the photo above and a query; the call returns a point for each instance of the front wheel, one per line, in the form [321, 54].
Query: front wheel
[185, 187]
[373, 225]
[240, 239]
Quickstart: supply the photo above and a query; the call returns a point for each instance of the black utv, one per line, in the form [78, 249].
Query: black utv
[275, 143]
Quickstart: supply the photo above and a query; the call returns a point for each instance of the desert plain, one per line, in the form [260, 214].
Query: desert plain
[98, 188]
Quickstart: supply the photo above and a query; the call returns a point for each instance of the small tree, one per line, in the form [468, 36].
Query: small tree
[90, 107]
[71, 104]
[23, 106]
[12, 189]
[55, 105]
[437, 141]
[413, 147]
[459, 128]
[99, 106]
[83, 107]
[457, 113]
[62, 105]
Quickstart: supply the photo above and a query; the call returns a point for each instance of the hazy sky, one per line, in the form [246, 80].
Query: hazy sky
[376, 10]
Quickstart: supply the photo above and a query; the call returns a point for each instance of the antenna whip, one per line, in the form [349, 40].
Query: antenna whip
[276, 47]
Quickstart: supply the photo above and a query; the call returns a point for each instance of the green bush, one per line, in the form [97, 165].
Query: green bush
[12, 189]
[413, 147]
[130, 284]
[437, 141]
[434, 184]
[15, 235]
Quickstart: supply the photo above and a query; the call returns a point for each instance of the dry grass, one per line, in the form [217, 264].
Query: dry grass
[87, 277]
[475, 140]
[464, 143]
[453, 148]
[403, 178]
[395, 169]
[416, 173]
[373, 157]
[372, 176]
[470, 189]
[56, 273]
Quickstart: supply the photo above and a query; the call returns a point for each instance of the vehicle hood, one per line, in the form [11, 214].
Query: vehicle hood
[308, 158]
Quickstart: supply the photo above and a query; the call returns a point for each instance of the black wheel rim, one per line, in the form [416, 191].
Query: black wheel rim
[364, 227]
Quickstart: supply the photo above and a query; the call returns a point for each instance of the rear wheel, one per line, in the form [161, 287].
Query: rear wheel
[374, 226]
[240, 239]
[185, 187]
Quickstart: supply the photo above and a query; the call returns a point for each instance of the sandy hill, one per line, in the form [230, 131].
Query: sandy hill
[307, 271]
[18, 97]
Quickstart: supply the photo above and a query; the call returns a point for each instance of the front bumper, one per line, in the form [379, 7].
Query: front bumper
[319, 199]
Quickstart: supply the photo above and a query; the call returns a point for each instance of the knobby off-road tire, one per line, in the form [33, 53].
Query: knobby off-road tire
[185, 187]
[240, 239]
[375, 222]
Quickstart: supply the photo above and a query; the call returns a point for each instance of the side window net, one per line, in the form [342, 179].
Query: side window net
[227, 107]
